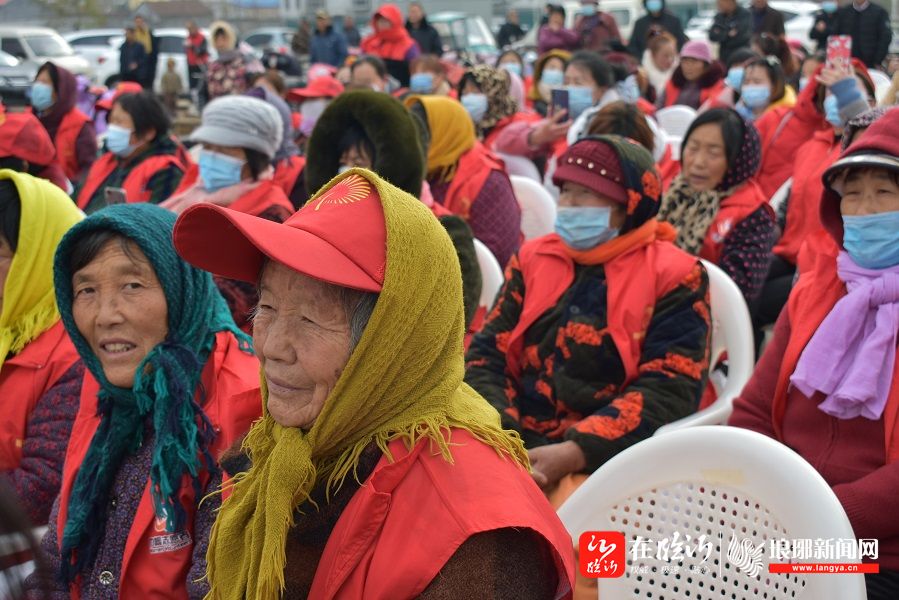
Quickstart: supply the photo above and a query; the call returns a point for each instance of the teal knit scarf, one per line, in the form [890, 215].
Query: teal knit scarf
[164, 385]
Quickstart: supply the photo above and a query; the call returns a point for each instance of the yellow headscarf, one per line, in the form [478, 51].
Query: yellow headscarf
[452, 133]
[29, 303]
[403, 380]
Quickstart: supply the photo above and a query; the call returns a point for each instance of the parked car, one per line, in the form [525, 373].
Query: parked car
[464, 35]
[40, 44]
[276, 39]
[15, 79]
[95, 46]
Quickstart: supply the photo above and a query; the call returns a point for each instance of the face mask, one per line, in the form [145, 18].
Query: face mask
[41, 96]
[219, 170]
[343, 169]
[734, 78]
[421, 83]
[311, 110]
[552, 77]
[512, 68]
[832, 111]
[654, 6]
[584, 227]
[118, 140]
[872, 241]
[755, 96]
[475, 104]
[803, 81]
[580, 98]
[588, 10]
[629, 90]
[829, 6]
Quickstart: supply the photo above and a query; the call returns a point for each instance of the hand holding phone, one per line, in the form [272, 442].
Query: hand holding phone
[559, 101]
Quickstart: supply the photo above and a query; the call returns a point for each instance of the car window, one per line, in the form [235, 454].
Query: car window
[91, 40]
[622, 16]
[8, 60]
[48, 45]
[259, 39]
[13, 46]
[171, 44]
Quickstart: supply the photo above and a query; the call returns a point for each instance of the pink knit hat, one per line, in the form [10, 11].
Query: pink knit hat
[697, 49]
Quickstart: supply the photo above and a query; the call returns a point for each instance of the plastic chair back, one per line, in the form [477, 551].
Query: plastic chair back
[675, 120]
[519, 165]
[538, 209]
[491, 274]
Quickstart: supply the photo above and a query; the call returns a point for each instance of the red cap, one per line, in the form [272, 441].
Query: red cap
[320, 87]
[23, 136]
[125, 87]
[338, 237]
[595, 165]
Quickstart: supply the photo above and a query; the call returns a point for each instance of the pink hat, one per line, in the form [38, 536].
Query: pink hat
[697, 49]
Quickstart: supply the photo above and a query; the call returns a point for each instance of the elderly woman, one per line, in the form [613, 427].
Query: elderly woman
[696, 80]
[170, 383]
[466, 178]
[40, 375]
[599, 335]
[368, 432]
[827, 384]
[720, 213]
[143, 160]
[484, 92]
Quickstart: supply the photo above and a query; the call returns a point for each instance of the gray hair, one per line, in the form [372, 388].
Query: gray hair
[359, 307]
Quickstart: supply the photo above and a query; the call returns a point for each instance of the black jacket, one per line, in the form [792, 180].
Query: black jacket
[649, 22]
[870, 31]
[508, 34]
[830, 28]
[133, 62]
[427, 37]
[731, 32]
[767, 20]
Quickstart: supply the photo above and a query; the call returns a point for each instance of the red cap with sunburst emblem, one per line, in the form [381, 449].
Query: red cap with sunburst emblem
[339, 237]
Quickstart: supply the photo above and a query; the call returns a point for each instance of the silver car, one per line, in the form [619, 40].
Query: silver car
[42, 44]
[15, 79]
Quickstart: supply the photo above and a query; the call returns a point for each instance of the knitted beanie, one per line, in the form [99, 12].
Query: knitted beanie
[241, 122]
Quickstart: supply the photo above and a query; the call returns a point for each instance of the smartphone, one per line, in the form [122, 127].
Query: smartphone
[114, 196]
[559, 100]
[839, 52]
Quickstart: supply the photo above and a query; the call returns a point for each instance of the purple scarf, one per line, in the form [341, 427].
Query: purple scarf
[850, 358]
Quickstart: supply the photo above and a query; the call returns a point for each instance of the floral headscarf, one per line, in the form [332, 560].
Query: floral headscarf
[494, 84]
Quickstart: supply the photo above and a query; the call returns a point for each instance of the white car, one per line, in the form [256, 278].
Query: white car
[42, 44]
[95, 46]
[798, 20]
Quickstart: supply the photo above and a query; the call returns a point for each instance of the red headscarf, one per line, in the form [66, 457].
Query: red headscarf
[392, 43]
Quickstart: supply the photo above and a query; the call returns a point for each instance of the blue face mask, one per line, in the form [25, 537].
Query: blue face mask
[41, 96]
[734, 78]
[219, 170]
[872, 241]
[803, 81]
[629, 90]
[580, 98]
[584, 227]
[755, 96]
[832, 111]
[829, 6]
[118, 140]
[552, 77]
[512, 67]
[589, 10]
[654, 6]
[475, 104]
[421, 83]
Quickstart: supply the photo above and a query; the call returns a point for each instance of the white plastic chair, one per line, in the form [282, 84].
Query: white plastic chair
[491, 274]
[675, 143]
[729, 485]
[731, 333]
[538, 209]
[781, 195]
[881, 82]
[519, 165]
[675, 120]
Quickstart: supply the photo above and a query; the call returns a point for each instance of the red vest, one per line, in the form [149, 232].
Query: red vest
[672, 92]
[66, 136]
[24, 378]
[230, 380]
[635, 281]
[256, 202]
[135, 184]
[736, 207]
[473, 169]
[287, 172]
[411, 515]
[812, 299]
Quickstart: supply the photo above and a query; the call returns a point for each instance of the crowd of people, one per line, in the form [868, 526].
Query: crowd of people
[234, 351]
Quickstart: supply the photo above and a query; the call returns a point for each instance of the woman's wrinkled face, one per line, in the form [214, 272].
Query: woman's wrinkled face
[575, 195]
[302, 337]
[119, 307]
[6, 256]
[692, 68]
[868, 192]
[665, 57]
[705, 158]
